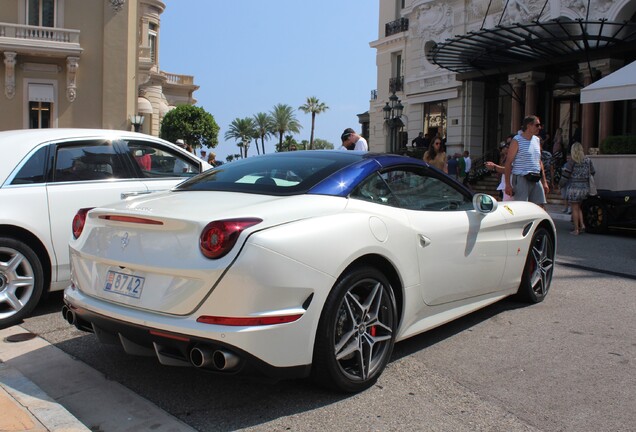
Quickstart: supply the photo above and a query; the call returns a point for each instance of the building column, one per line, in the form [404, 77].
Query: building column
[606, 112]
[587, 112]
[516, 117]
[530, 78]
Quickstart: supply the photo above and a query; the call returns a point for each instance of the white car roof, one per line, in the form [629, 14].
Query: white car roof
[16, 144]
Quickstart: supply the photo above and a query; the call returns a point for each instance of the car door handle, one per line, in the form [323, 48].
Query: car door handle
[125, 195]
[424, 241]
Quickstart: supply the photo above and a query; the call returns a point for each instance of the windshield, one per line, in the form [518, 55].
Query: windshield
[288, 173]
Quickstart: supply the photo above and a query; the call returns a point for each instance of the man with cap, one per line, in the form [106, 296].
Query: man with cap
[349, 136]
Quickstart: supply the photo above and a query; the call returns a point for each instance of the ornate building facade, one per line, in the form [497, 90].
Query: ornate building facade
[470, 71]
[90, 64]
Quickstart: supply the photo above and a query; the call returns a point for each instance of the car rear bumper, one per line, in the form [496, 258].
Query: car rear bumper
[181, 341]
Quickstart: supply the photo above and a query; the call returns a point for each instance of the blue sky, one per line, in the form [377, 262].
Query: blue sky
[249, 55]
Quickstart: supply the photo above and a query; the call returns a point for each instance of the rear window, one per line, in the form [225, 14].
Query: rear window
[277, 174]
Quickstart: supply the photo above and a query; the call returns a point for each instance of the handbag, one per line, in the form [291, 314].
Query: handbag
[593, 191]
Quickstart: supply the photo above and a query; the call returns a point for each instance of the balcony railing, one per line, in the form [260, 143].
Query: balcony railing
[398, 26]
[396, 84]
[178, 79]
[27, 38]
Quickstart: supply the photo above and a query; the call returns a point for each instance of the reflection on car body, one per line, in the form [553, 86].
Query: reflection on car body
[46, 175]
[244, 271]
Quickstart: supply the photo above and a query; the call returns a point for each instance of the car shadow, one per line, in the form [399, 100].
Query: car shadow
[445, 331]
[208, 401]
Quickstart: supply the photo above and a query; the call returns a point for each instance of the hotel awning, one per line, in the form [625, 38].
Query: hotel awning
[619, 85]
[548, 42]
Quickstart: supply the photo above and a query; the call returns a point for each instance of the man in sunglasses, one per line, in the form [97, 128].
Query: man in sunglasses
[524, 173]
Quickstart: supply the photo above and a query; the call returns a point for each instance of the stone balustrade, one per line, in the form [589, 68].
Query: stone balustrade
[35, 33]
[178, 79]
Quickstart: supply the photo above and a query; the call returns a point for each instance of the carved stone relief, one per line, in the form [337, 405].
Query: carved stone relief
[9, 74]
[434, 21]
[117, 5]
[72, 64]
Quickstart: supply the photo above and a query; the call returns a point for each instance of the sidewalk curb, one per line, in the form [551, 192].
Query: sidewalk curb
[60, 380]
[31, 409]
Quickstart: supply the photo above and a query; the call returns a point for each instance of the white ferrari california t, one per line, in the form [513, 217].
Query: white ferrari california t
[306, 263]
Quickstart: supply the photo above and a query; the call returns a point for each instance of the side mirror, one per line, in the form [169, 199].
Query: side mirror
[484, 203]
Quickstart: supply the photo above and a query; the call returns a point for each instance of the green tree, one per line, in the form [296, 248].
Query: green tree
[243, 131]
[283, 120]
[263, 125]
[313, 106]
[287, 143]
[193, 124]
[321, 144]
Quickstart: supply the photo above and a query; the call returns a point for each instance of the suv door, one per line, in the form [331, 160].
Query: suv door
[84, 173]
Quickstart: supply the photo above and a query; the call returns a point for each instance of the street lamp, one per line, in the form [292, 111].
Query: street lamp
[137, 121]
[392, 113]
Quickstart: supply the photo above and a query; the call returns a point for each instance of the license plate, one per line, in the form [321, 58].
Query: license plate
[124, 284]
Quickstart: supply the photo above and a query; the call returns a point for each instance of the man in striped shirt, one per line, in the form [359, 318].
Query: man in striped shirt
[524, 174]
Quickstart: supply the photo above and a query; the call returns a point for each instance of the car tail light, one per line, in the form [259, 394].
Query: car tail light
[79, 220]
[219, 237]
[249, 321]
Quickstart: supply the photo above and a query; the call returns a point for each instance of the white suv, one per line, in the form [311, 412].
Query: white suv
[46, 175]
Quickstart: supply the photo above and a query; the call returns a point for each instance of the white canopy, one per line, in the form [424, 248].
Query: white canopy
[619, 85]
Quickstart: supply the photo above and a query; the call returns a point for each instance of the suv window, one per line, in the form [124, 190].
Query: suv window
[33, 171]
[154, 161]
[89, 160]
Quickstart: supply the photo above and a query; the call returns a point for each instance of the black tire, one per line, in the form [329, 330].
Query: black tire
[595, 216]
[537, 273]
[21, 281]
[356, 332]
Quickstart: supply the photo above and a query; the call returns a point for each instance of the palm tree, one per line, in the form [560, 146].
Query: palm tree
[242, 130]
[313, 106]
[283, 120]
[262, 123]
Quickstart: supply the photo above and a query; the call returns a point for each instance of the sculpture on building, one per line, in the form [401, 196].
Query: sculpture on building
[9, 74]
[72, 64]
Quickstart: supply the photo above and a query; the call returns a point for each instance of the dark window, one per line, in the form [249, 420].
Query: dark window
[39, 115]
[280, 174]
[33, 171]
[413, 191]
[42, 13]
[92, 160]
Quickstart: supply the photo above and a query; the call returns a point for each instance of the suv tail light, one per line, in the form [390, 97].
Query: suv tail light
[79, 220]
[219, 237]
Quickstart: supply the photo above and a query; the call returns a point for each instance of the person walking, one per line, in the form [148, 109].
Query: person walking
[577, 174]
[453, 166]
[420, 141]
[524, 174]
[435, 156]
[350, 136]
[468, 164]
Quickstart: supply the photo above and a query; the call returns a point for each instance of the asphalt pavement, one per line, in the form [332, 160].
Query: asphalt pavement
[38, 381]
